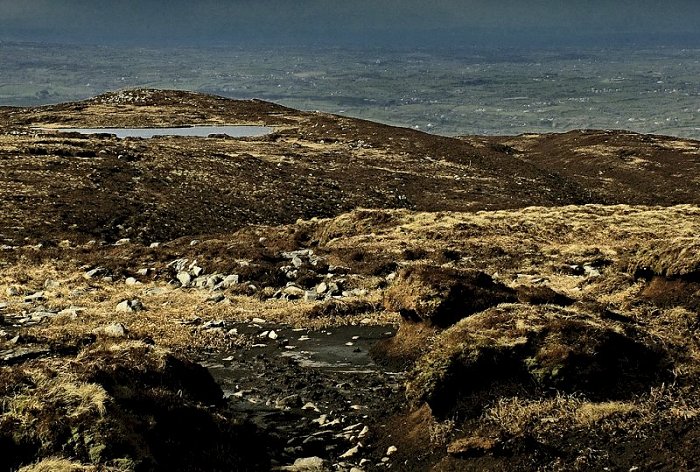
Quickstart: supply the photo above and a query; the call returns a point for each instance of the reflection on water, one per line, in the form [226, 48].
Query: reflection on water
[194, 131]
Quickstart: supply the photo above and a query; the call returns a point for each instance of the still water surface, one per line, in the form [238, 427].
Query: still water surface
[193, 131]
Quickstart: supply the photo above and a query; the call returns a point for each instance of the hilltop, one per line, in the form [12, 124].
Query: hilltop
[342, 294]
[312, 165]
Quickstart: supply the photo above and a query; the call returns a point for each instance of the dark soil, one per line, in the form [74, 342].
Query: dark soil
[315, 165]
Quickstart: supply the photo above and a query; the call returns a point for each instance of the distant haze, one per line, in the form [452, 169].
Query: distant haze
[395, 23]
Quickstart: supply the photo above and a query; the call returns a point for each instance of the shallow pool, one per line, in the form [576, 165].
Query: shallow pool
[193, 131]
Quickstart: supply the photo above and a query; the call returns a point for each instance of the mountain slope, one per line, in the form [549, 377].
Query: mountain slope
[57, 185]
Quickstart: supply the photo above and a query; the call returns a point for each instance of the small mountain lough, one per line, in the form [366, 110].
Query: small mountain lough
[191, 131]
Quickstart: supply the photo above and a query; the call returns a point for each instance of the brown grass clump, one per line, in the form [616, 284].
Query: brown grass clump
[119, 406]
[441, 296]
[518, 348]
[678, 257]
[57, 464]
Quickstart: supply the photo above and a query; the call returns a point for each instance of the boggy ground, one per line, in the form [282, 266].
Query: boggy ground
[551, 338]
[557, 329]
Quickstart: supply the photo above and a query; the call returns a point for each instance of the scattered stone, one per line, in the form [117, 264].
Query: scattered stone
[154, 245]
[257, 320]
[290, 401]
[35, 297]
[3, 306]
[297, 262]
[154, 291]
[321, 420]
[293, 292]
[95, 273]
[195, 320]
[144, 272]
[115, 330]
[213, 324]
[272, 335]
[216, 298]
[184, 278]
[128, 306]
[19, 354]
[306, 464]
[230, 280]
[332, 289]
[310, 296]
[122, 242]
[51, 284]
[591, 271]
[391, 450]
[196, 271]
[178, 265]
[352, 452]
[131, 281]
[12, 291]
[310, 406]
[363, 433]
[321, 288]
[71, 313]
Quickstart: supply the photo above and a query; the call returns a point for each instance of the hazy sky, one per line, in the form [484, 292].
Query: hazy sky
[363, 22]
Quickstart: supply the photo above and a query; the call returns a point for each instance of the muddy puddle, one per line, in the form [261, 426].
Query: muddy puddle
[234, 131]
[313, 392]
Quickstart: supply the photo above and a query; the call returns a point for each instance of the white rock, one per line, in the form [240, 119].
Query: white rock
[124, 307]
[258, 320]
[391, 450]
[196, 271]
[122, 242]
[351, 452]
[363, 433]
[68, 313]
[154, 245]
[34, 297]
[184, 278]
[131, 281]
[51, 284]
[321, 420]
[310, 406]
[293, 291]
[116, 330]
[272, 335]
[321, 288]
[297, 262]
[306, 464]
[230, 280]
